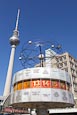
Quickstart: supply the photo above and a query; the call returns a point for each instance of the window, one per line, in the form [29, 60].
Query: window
[55, 84]
[15, 87]
[35, 83]
[66, 69]
[67, 86]
[26, 84]
[60, 64]
[62, 85]
[46, 83]
[65, 63]
[60, 58]
[19, 86]
[64, 57]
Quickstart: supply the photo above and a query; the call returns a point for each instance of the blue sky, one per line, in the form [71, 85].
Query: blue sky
[53, 20]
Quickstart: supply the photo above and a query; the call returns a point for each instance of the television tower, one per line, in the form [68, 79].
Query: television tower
[14, 41]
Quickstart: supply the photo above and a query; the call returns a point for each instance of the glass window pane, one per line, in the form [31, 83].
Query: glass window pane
[35, 83]
[26, 84]
[15, 87]
[62, 85]
[46, 83]
[55, 84]
[19, 86]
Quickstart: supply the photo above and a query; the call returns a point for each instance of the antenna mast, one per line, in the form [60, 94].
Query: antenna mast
[16, 28]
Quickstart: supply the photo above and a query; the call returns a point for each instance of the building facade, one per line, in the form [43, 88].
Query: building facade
[65, 62]
[68, 63]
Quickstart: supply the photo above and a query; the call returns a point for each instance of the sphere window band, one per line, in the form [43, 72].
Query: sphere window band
[41, 83]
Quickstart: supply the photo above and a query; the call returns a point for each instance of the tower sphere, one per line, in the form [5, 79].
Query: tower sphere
[14, 40]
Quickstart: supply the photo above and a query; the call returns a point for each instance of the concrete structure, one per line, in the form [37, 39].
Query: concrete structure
[41, 88]
[14, 41]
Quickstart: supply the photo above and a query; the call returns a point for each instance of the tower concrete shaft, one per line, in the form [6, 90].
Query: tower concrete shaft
[9, 72]
[14, 41]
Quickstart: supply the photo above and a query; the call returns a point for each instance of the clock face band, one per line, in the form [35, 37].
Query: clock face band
[41, 83]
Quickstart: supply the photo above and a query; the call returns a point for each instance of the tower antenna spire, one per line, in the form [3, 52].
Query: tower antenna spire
[16, 28]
